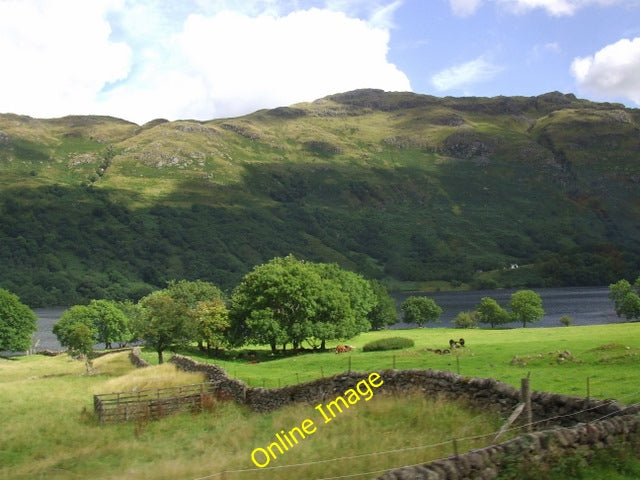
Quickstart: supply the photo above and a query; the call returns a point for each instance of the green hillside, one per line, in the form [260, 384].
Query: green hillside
[411, 189]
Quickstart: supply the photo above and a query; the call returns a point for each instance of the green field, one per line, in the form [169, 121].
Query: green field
[49, 430]
[608, 356]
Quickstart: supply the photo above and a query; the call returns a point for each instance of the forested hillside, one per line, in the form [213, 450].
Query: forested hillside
[397, 186]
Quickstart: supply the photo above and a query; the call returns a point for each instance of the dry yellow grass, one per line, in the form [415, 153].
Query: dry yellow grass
[159, 376]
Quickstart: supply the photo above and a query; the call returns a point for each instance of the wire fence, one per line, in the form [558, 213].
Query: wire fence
[452, 442]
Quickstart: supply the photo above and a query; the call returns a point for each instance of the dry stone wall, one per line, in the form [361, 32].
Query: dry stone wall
[542, 447]
[137, 359]
[578, 422]
[481, 392]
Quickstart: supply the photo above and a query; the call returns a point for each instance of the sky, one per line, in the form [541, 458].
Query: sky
[202, 59]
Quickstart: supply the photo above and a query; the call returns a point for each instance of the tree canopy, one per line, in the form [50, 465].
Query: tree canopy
[526, 307]
[64, 328]
[384, 312]
[288, 301]
[489, 311]
[163, 322]
[420, 310]
[17, 323]
[106, 323]
[626, 298]
[183, 312]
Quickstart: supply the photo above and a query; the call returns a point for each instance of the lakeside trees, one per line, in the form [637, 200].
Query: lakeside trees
[526, 307]
[626, 298]
[17, 323]
[420, 310]
[283, 302]
[489, 311]
[288, 301]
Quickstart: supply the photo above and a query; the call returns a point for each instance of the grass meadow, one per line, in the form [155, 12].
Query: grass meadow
[49, 431]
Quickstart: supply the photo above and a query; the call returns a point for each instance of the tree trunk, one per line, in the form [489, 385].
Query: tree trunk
[160, 358]
[323, 345]
[274, 349]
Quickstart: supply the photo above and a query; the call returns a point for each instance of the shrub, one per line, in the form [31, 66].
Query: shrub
[566, 320]
[393, 343]
[466, 320]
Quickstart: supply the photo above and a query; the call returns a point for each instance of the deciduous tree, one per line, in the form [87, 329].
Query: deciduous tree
[489, 311]
[163, 323]
[190, 294]
[626, 298]
[212, 323]
[111, 323]
[80, 342]
[64, 328]
[420, 310]
[526, 307]
[17, 323]
[384, 311]
[289, 301]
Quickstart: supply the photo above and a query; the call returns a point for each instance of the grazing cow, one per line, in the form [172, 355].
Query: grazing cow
[461, 342]
[343, 349]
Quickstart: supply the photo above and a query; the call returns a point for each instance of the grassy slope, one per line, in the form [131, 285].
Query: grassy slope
[400, 187]
[48, 431]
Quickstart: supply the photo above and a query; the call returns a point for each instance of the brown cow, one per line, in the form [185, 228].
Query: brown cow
[343, 348]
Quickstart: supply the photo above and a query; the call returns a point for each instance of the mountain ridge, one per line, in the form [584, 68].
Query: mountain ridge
[402, 187]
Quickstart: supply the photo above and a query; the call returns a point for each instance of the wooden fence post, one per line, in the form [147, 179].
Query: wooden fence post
[525, 397]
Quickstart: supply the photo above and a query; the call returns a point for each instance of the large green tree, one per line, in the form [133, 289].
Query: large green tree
[65, 328]
[111, 323]
[526, 307]
[163, 323]
[104, 319]
[288, 301]
[384, 312]
[212, 323]
[17, 323]
[275, 303]
[420, 310]
[191, 294]
[489, 311]
[80, 341]
[346, 301]
[626, 298]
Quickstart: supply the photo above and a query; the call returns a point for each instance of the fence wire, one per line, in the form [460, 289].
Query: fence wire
[418, 447]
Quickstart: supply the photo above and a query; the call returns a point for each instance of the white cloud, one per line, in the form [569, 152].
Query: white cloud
[56, 56]
[459, 76]
[464, 8]
[556, 7]
[232, 64]
[613, 71]
[142, 59]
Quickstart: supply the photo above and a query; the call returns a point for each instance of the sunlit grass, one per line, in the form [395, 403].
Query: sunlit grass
[49, 431]
[158, 376]
[488, 353]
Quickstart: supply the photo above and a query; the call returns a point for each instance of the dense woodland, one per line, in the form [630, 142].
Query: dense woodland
[411, 190]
